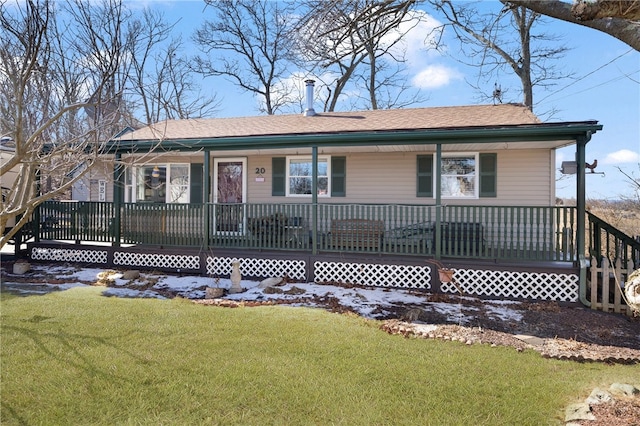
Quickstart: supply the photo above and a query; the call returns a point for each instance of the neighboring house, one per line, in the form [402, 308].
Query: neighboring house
[367, 197]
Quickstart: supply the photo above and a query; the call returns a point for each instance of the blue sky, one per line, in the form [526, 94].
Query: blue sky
[605, 87]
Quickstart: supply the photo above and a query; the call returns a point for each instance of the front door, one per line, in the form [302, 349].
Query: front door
[230, 183]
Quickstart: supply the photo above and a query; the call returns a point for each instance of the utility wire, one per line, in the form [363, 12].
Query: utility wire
[585, 76]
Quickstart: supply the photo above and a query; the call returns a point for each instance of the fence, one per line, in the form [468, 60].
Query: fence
[604, 290]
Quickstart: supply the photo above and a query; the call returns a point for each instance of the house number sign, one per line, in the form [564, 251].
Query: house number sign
[260, 171]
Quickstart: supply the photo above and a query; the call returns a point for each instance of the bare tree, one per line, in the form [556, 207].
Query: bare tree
[619, 19]
[160, 77]
[61, 87]
[385, 80]
[361, 13]
[504, 41]
[66, 88]
[247, 42]
[634, 182]
[351, 42]
[321, 45]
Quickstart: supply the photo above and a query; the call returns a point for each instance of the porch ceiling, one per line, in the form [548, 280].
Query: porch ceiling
[460, 147]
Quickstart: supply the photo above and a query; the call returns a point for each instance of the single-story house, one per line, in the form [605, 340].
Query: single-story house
[384, 197]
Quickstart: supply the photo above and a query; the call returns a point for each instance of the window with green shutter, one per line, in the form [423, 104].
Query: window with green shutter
[196, 183]
[338, 176]
[278, 176]
[488, 175]
[463, 175]
[291, 176]
[424, 183]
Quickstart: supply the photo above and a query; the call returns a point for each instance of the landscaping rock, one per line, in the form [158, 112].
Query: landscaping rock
[213, 293]
[21, 267]
[579, 411]
[599, 396]
[271, 282]
[131, 275]
[624, 389]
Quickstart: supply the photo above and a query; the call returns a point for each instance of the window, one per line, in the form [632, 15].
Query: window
[291, 176]
[152, 182]
[459, 177]
[167, 183]
[463, 175]
[179, 183]
[299, 174]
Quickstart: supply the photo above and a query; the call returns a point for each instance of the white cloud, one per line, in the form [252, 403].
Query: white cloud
[417, 33]
[622, 156]
[435, 76]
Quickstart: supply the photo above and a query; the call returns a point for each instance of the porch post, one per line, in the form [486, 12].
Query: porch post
[118, 192]
[438, 166]
[314, 199]
[205, 197]
[581, 144]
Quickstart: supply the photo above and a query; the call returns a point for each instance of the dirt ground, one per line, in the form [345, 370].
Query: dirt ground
[567, 332]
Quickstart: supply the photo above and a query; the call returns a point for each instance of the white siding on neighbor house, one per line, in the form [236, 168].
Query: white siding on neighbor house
[86, 188]
[525, 177]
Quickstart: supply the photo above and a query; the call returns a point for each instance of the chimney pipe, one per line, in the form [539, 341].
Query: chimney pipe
[309, 111]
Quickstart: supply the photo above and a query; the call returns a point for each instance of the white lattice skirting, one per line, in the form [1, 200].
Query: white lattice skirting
[368, 274]
[154, 260]
[69, 255]
[294, 269]
[526, 285]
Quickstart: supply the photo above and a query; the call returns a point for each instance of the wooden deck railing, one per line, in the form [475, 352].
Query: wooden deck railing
[489, 232]
[608, 243]
[614, 255]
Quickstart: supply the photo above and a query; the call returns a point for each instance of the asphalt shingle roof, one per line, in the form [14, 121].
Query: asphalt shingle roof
[340, 122]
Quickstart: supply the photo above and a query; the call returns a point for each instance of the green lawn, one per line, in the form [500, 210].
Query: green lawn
[75, 357]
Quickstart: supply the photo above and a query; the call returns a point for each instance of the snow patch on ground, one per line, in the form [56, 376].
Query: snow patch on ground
[371, 302]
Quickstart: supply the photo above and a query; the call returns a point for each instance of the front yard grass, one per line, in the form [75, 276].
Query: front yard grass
[75, 357]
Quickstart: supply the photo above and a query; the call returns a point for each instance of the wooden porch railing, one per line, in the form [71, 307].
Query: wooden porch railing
[606, 242]
[489, 232]
[613, 257]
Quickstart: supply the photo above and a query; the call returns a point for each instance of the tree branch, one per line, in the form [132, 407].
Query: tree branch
[624, 30]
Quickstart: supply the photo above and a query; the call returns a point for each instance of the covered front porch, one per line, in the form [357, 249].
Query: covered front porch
[493, 251]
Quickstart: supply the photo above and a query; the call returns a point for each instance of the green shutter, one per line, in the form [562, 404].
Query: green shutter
[424, 182]
[489, 175]
[278, 176]
[338, 176]
[196, 183]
